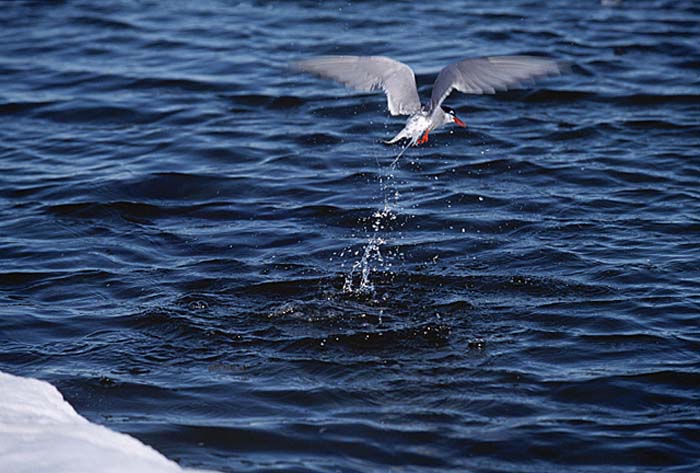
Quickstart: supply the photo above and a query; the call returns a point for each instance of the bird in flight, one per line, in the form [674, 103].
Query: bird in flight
[484, 75]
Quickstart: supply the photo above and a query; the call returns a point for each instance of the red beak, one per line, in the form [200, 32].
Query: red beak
[460, 122]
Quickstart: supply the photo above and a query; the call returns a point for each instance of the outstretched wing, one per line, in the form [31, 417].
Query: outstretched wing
[368, 73]
[486, 75]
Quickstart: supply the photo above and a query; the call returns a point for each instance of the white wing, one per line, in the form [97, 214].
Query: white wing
[486, 75]
[368, 73]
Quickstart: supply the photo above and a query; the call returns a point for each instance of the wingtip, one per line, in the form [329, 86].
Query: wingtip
[302, 65]
[314, 63]
[297, 65]
[565, 67]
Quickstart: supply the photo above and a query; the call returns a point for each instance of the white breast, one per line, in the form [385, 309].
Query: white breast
[417, 124]
[414, 128]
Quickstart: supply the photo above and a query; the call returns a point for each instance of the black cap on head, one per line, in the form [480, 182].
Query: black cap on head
[446, 109]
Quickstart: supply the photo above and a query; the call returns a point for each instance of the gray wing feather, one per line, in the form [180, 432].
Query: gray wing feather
[368, 73]
[487, 75]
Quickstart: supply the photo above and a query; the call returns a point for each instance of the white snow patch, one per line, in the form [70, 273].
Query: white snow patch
[41, 432]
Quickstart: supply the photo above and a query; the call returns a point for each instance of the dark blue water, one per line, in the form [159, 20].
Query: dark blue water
[185, 224]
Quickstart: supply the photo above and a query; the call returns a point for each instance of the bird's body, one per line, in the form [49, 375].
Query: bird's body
[397, 80]
[416, 126]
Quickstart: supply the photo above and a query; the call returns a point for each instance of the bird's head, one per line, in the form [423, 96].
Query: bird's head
[452, 116]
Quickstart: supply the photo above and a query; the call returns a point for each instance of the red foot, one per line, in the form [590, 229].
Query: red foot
[423, 139]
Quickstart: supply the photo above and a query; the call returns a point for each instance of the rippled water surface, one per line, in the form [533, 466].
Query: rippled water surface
[209, 251]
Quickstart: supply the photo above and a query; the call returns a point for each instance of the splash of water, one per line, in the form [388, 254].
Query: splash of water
[363, 267]
[371, 257]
